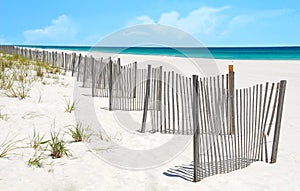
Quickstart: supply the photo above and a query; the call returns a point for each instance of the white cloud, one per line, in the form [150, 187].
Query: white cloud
[141, 20]
[62, 30]
[237, 22]
[241, 20]
[200, 21]
[211, 24]
[145, 20]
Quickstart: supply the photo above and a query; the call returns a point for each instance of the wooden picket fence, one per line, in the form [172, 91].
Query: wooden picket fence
[170, 103]
[231, 128]
[255, 135]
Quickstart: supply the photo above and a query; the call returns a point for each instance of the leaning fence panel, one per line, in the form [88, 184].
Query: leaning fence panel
[221, 151]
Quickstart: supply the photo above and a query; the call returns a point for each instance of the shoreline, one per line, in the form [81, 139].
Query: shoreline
[188, 66]
[132, 54]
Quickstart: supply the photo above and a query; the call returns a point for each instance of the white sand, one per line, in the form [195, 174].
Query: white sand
[86, 171]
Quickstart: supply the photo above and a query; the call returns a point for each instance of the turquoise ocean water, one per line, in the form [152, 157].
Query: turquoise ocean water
[232, 53]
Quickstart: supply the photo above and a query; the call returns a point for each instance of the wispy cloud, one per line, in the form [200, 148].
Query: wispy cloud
[274, 13]
[145, 20]
[62, 30]
[211, 23]
[236, 22]
[141, 20]
[200, 21]
[242, 21]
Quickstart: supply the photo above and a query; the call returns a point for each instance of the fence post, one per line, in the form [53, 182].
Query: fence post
[66, 62]
[62, 60]
[135, 79]
[43, 59]
[196, 127]
[93, 76]
[159, 88]
[230, 98]
[73, 63]
[282, 87]
[84, 70]
[110, 83]
[78, 67]
[146, 100]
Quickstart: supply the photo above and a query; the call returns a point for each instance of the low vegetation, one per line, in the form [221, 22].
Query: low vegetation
[80, 132]
[36, 160]
[70, 106]
[8, 145]
[17, 74]
[3, 116]
[57, 145]
[38, 141]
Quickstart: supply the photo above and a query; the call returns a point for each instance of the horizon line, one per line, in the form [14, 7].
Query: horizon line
[122, 46]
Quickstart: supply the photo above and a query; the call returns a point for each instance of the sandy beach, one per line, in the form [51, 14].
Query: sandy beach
[86, 171]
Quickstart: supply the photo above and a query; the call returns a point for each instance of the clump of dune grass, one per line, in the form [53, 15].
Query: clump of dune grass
[39, 144]
[53, 70]
[20, 90]
[8, 145]
[80, 132]
[36, 160]
[38, 141]
[39, 71]
[3, 116]
[58, 146]
[18, 82]
[70, 106]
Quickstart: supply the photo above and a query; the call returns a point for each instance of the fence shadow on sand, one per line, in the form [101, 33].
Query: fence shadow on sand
[186, 171]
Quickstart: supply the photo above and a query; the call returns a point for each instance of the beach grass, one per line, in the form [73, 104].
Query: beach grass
[8, 145]
[57, 145]
[3, 116]
[80, 132]
[36, 160]
[38, 141]
[17, 74]
[70, 106]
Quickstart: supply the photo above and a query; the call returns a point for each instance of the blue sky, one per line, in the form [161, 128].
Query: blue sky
[214, 23]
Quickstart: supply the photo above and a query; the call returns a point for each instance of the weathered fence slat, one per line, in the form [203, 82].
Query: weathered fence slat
[196, 128]
[282, 87]
[146, 100]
